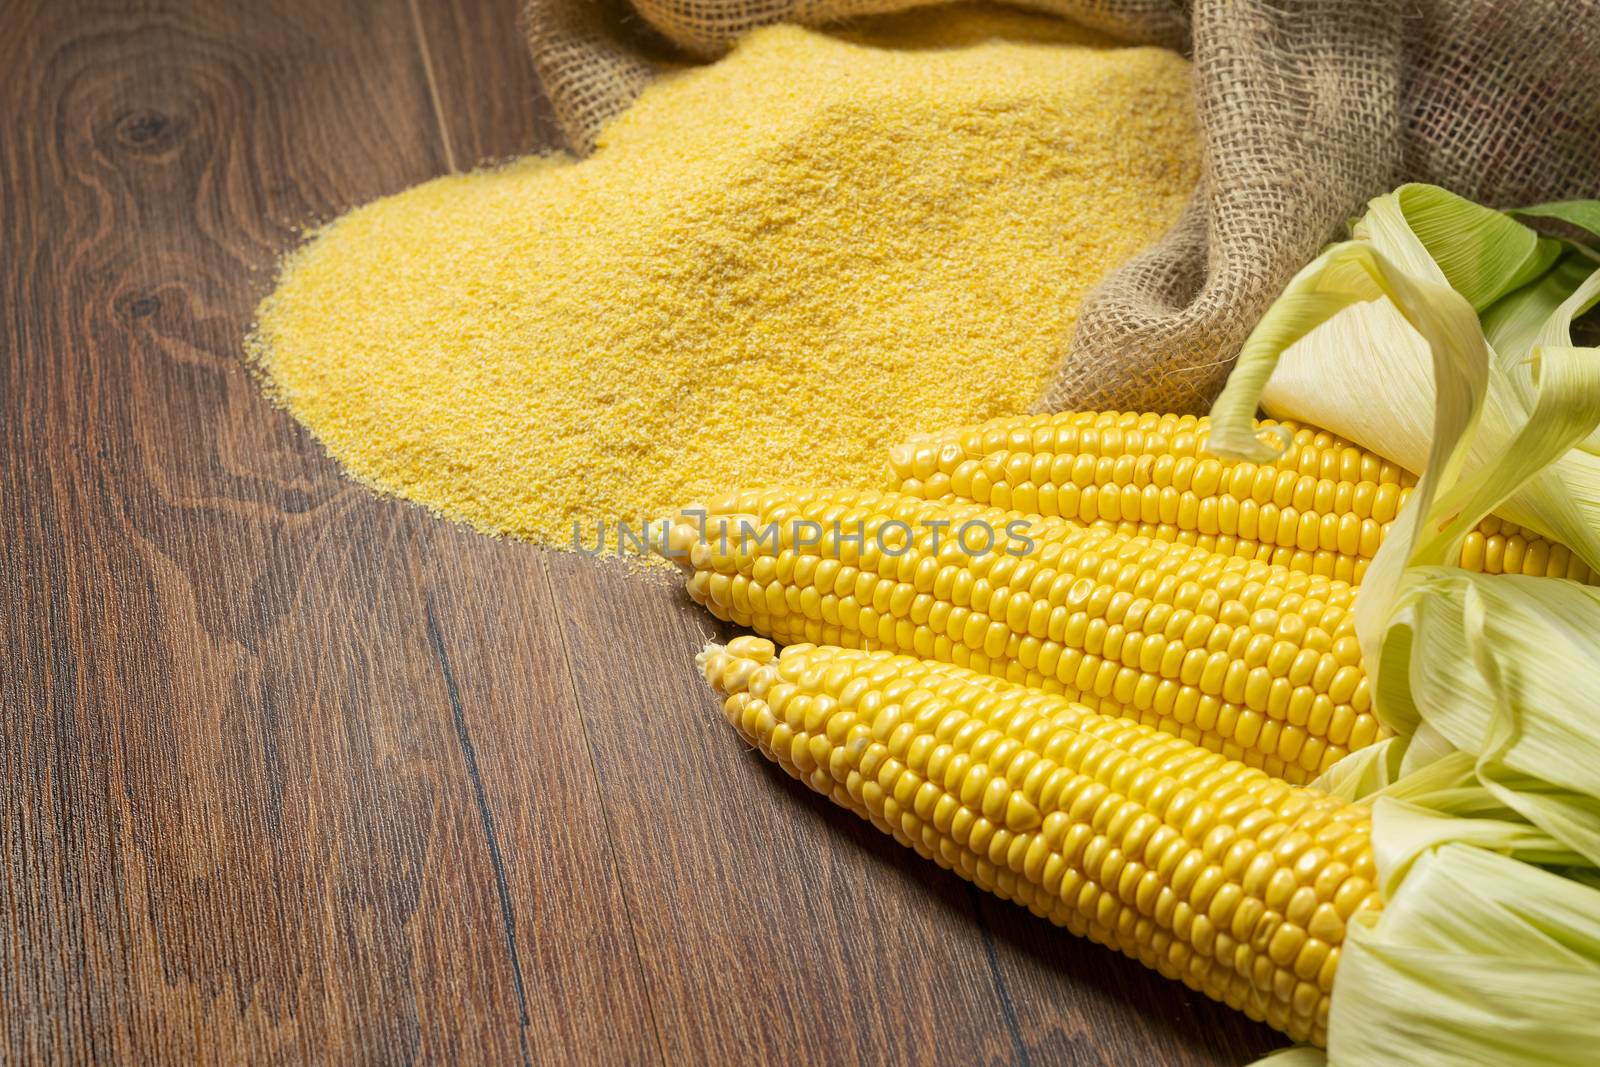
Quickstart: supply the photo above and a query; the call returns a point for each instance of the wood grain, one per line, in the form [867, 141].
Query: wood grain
[249, 827]
[289, 773]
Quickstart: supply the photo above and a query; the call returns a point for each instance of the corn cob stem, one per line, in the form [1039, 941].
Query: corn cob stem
[1208, 871]
[1325, 506]
[1257, 662]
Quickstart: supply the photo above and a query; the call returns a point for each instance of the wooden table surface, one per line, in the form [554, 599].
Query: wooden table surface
[290, 773]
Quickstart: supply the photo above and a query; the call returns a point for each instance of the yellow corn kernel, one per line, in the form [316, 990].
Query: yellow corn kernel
[1149, 475]
[1109, 828]
[1249, 658]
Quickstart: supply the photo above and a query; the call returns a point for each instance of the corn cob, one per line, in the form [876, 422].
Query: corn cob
[1324, 507]
[1254, 661]
[1208, 871]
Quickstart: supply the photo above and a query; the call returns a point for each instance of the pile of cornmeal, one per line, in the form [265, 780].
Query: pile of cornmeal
[772, 268]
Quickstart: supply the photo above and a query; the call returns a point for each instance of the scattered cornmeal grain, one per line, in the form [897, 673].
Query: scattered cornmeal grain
[772, 268]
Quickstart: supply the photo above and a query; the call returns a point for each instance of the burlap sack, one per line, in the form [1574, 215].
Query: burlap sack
[1307, 107]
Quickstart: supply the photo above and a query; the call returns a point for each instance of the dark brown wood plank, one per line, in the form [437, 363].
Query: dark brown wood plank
[245, 804]
[483, 79]
[586, 998]
[774, 926]
[721, 857]
[1077, 1002]
[289, 773]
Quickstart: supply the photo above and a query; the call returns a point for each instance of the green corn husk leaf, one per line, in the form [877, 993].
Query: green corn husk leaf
[1343, 349]
[1512, 322]
[1557, 333]
[1481, 955]
[1495, 666]
[1427, 792]
[1584, 214]
[1412, 831]
[1343, 277]
[1434, 234]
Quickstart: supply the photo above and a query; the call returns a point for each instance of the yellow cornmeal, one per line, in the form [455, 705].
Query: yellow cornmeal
[772, 268]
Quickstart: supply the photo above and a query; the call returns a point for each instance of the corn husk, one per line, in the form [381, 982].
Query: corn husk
[1480, 253]
[1577, 214]
[1480, 956]
[1339, 350]
[1486, 805]
[1486, 663]
[1513, 322]
[1477, 958]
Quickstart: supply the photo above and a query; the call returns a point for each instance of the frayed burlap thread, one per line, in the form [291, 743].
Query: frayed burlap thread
[1308, 108]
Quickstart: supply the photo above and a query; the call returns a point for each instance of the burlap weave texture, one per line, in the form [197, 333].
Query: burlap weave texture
[1307, 109]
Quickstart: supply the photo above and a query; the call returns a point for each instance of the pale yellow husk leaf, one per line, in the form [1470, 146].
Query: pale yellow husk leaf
[1487, 803]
